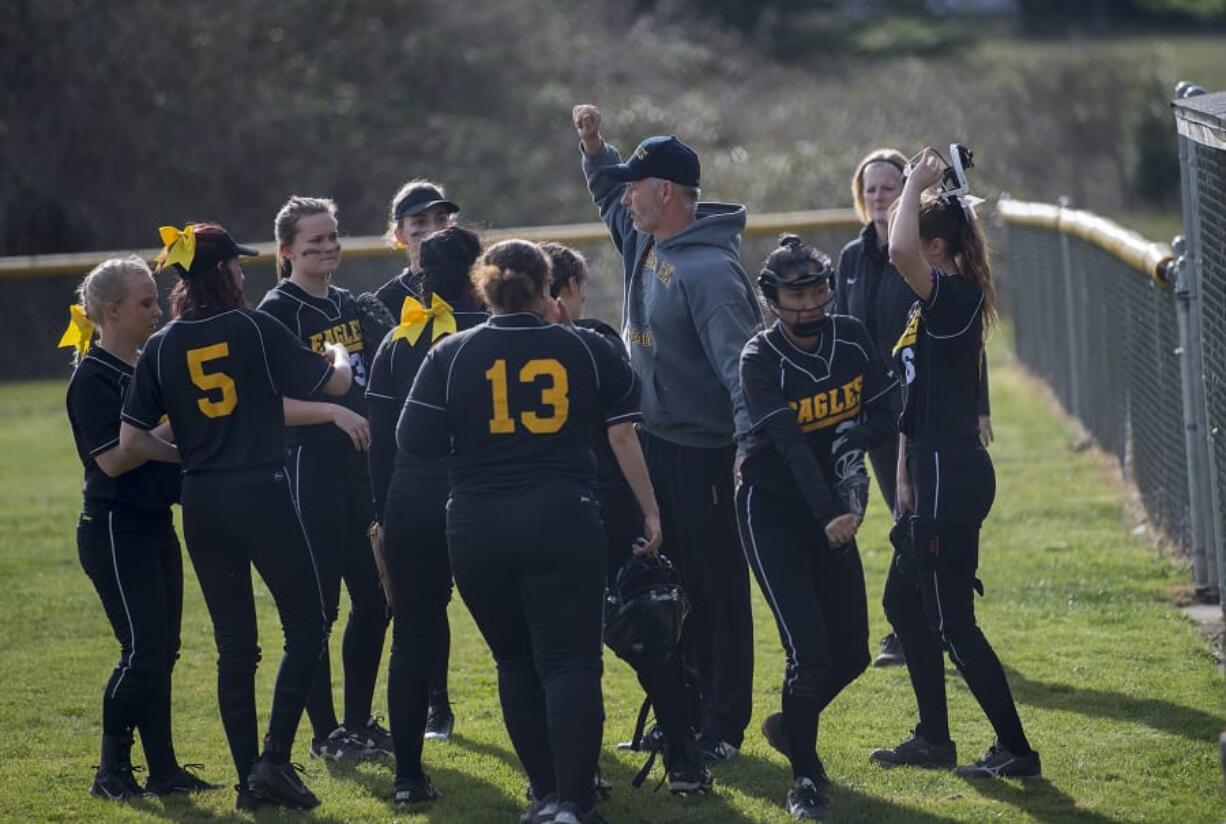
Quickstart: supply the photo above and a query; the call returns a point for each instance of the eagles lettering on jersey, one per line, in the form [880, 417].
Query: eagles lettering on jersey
[317, 321]
[831, 403]
[829, 407]
[348, 334]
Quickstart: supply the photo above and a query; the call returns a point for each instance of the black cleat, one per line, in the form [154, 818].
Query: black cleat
[916, 751]
[568, 813]
[279, 784]
[999, 762]
[891, 654]
[116, 783]
[776, 735]
[542, 810]
[182, 780]
[408, 791]
[341, 745]
[806, 801]
[715, 749]
[371, 737]
[440, 721]
[247, 801]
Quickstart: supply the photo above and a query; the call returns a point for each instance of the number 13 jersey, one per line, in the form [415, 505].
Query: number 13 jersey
[220, 379]
[518, 400]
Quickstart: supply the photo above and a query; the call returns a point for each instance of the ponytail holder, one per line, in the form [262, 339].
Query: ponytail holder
[179, 246]
[968, 202]
[80, 331]
[414, 316]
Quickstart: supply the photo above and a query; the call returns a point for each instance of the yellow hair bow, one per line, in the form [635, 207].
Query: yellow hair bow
[80, 331]
[414, 316]
[178, 246]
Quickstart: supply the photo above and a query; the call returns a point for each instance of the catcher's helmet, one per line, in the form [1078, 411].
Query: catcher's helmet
[794, 265]
[645, 609]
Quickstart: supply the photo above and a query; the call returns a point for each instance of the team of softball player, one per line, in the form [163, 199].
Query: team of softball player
[464, 424]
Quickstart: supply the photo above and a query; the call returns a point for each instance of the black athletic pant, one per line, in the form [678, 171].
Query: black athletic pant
[698, 516]
[136, 566]
[415, 543]
[885, 469]
[663, 681]
[332, 492]
[530, 566]
[930, 591]
[232, 520]
[816, 593]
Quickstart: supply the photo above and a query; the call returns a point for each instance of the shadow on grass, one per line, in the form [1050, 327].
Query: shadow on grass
[186, 808]
[1039, 799]
[465, 797]
[769, 781]
[1163, 716]
[626, 803]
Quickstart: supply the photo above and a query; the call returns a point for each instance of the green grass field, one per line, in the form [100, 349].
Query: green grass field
[1118, 690]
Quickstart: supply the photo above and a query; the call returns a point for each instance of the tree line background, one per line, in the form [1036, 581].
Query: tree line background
[116, 117]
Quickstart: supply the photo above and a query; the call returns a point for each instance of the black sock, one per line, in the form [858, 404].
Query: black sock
[276, 751]
[800, 714]
[155, 733]
[319, 706]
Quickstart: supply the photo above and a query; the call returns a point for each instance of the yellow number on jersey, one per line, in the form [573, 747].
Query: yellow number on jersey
[501, 423]
[196, 358]
[555, 396]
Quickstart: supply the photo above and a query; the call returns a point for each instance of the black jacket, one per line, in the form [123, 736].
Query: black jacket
[868, 287]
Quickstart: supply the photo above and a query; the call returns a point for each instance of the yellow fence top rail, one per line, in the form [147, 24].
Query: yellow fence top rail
[1125, 244]
[28, 266]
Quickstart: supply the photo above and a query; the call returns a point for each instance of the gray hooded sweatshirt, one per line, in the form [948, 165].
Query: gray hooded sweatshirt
[688, 310]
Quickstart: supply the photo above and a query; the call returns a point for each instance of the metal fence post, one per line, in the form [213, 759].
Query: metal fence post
[1204, 562]
[1070, 322]
[1202, 495]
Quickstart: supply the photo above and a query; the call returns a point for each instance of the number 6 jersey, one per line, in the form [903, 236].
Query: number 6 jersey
[220, 379]
[517, 401]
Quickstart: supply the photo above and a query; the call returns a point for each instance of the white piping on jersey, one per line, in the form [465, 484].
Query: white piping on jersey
[99, 450]
[264, 351]
[974, 314]
[415, 402]
[110, 528]
[766, 587]
[786, 359]
[591, 358]
[936, 493]
[370, 394]
[893, 384]
[110, 366]
[336, 304]
[451, 367]
[627, 416]
[768, 416]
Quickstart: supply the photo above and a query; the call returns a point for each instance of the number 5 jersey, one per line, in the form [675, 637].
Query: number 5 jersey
[220, 379]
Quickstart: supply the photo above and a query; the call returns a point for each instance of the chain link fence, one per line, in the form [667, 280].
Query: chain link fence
[1104, 335]
[1132, 340]
[1201, 121]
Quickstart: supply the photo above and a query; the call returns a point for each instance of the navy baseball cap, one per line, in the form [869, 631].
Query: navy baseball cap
[420, 199]
[663, 156]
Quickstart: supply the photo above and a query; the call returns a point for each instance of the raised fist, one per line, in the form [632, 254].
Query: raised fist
[586, 118]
